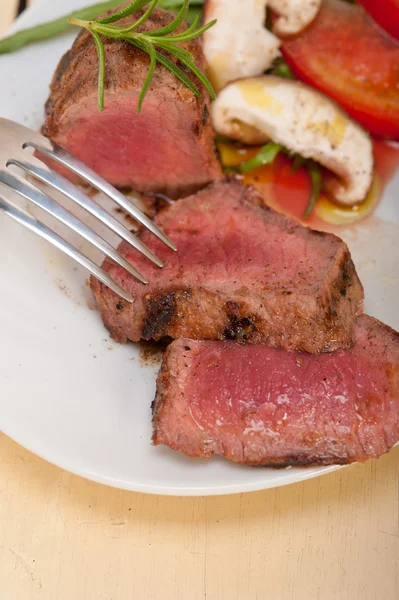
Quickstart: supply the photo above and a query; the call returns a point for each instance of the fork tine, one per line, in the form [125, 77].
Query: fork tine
[45, 202]
[65, 158]
[35, 166]
[44, 232]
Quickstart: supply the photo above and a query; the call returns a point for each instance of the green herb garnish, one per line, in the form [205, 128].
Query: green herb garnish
[298, 162]
[281, 69]
[53, 28]
[265, 156]
[153, 43]
[316, 180]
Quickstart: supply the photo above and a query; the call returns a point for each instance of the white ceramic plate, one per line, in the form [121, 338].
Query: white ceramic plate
[71, 395]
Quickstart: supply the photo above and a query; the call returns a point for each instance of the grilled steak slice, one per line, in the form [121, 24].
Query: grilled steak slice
[168, 147]
[257, 405]
[241, 272]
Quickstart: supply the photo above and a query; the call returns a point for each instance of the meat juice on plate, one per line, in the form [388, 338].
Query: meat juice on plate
[288, 190]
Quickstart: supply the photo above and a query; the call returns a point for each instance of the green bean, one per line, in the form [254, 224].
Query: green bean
[265, 156]
[52, 28]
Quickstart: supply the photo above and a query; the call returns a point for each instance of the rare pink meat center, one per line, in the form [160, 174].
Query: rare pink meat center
[265, 406]
[226, 242]
[265, 386]
[121, 144]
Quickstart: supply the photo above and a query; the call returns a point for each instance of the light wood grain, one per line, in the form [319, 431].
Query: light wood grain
[65, 538]
[62, 537]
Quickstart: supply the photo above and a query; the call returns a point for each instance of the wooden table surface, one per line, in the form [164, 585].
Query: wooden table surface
[65, 538]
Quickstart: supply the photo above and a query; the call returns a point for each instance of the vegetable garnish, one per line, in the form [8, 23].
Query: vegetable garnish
[344, 55]
[150, 42]
[50, 29]
[281, 69]
[53, 28]
[316, 181]
[265, 156]
[230, 151]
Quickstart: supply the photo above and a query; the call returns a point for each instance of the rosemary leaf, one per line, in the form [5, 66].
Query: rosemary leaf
[168, 29]
[180, 53]
[148, 41]
[101, 68]
[203, 79]
[169, 65]
[153, 61]
[50, 29]
[142, 19]
[106, 30]
[174, 4]
[187, 35]
[124, 12]
[193, 25]
[176, 51]
[178, 73]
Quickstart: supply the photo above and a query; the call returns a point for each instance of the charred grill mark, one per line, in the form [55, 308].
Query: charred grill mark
[160, 312]
[204, 116]
[347, 270]
[241, 325]
[196, 128]
[318, 233]
[202, 122]
[63, 65]
[346, 277]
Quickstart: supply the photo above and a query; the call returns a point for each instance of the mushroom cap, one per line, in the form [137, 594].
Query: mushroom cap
[290, 113]
[293, 15]
[238, 45]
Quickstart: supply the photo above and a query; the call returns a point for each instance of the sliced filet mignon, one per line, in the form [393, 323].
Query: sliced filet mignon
[168, 147]
[257, 405]
[241, 272]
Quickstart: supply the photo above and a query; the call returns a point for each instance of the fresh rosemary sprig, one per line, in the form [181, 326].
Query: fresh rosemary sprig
[50, 29]
[154, 43]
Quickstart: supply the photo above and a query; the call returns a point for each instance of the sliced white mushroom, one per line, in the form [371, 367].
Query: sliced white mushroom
[260, 109]
[238, 45]
[293, 15]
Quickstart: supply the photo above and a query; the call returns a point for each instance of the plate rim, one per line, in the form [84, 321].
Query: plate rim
[43, 452]
[304, 474]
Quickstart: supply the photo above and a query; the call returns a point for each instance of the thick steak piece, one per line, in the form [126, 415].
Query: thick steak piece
[168, 147]
[242, 272]
[263, 406]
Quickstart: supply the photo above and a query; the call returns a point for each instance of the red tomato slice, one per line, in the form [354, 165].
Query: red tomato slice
[345, 55]
[385, 13]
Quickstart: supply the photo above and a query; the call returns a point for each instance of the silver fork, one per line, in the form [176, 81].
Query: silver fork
[14, 139]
